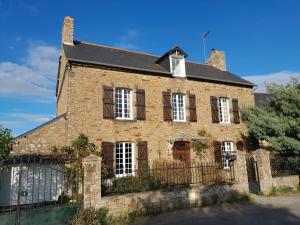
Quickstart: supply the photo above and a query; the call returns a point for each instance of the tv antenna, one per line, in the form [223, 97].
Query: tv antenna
[204, 38]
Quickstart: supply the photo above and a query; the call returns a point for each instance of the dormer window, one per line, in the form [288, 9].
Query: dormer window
[174, 61]
[177, 65]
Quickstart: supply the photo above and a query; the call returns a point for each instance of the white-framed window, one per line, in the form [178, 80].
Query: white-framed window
[177, 64]
[124, 159]
[178, 106]
[123, 104]
[227, 152]
[224, 115]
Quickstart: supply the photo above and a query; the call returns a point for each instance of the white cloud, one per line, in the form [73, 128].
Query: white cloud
[127, 39]
[35, 77]
[282, 77]
[32, 117]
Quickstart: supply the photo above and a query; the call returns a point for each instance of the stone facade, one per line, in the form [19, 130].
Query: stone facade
[84, 108]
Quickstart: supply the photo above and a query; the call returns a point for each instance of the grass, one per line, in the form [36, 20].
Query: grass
[283, 190]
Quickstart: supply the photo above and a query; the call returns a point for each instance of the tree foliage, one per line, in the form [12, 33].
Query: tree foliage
[6, 144]
[278, 123]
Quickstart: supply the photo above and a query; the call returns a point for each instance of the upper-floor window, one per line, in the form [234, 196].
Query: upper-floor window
[227, 152]
[177, 65]
[224, 116]
[124, 155]
[123, 103]
[178, 106]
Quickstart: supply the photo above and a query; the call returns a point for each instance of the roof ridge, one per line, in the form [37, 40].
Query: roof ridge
[121, 49]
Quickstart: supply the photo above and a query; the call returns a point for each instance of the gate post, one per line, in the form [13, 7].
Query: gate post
[262, 158]
[240, 172]
[91, 181]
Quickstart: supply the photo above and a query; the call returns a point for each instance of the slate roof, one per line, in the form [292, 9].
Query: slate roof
[124, 59]
[262, 99]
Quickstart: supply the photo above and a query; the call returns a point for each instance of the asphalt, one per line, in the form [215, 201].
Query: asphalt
[261, 210]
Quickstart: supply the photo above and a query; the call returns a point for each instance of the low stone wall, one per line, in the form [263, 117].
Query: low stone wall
[289, 181]
[160, 200]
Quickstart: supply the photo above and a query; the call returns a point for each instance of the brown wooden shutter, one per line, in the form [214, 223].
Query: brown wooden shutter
[192, 105]
[218, 152]
[240, 146]
[235, 110]
[108, 155]
[108, 102]
[214, 109]
[167, 106]
[140, 104]
[142, 155]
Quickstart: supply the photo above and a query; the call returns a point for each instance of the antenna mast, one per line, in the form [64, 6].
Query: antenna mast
[204, 38]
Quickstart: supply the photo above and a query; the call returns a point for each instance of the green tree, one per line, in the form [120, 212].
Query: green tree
[6, 144]
[278, 123]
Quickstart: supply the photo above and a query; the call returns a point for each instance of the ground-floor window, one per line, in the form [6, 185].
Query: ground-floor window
[124, 154]
[227, 152]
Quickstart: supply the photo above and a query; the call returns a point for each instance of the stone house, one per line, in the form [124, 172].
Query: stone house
[138, 107]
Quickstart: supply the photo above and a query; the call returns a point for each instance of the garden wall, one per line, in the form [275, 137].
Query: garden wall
[288, 181]
[162, 200]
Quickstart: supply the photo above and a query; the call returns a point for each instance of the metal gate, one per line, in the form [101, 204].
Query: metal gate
[253, 177]
[32, 182]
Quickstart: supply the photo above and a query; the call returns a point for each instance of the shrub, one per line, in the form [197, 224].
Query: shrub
[91, 216]
[279, 190]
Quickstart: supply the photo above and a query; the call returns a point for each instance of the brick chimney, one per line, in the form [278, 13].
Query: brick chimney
[217, 59]
[68, 31]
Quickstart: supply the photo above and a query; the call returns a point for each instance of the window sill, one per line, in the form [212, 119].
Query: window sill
[125, 120]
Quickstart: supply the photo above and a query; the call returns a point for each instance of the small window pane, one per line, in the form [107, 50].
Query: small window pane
[123, 98]
[224, 110]
[124, 156]
[178, 107]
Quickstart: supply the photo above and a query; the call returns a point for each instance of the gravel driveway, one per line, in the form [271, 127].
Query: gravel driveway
[263, 211]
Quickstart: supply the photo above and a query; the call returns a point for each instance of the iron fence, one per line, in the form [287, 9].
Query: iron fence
[285, 166]
[31, 181]
[164, 175]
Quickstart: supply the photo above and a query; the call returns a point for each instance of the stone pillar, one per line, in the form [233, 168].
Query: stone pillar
[240, 173]
[262, 158]
[92, 181]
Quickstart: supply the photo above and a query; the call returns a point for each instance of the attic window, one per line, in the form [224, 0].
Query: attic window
[177, 64]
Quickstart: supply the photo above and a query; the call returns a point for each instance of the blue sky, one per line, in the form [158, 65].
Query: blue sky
[260, 38]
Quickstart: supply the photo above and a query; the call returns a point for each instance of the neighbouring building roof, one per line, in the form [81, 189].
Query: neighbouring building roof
[262, 99]
[124, 59]
[41, 126]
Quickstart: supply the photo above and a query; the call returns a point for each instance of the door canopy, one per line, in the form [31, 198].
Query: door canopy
[183, 136]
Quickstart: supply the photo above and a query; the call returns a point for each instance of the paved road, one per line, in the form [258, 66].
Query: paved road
[283, 210]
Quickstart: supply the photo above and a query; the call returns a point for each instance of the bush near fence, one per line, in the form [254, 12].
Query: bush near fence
[165, 174]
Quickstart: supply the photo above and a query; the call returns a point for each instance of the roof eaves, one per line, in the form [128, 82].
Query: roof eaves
[41, 126]
[220, 80]
[156, 71]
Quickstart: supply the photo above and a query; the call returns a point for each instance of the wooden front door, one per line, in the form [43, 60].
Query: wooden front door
[181, 151]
